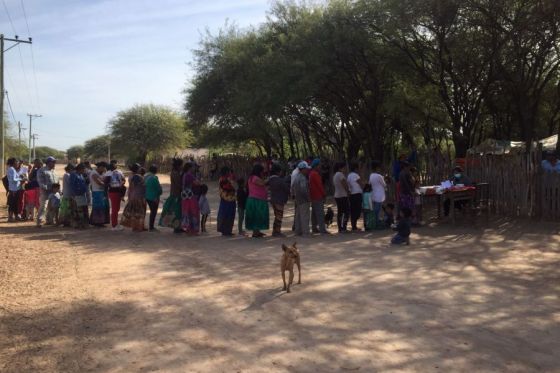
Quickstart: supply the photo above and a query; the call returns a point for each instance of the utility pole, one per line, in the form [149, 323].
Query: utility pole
[109, 150]
[34, 137]
[20, 130]
[31, 116]
[3, 128]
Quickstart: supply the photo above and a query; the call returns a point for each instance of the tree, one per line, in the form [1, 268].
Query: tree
[75, 152]
[364, 78]
[43, 152]
[96, 148]
[146, 130]
[13, 147]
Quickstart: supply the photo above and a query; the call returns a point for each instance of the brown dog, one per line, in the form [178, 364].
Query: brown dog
[290, 256]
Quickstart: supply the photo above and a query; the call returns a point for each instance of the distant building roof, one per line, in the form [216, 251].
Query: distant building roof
[193, 152]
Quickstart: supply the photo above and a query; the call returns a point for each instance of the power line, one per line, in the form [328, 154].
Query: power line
[10, 106]
[2, 126]
[9, 17]
[25, 80]
[31, 116]
[25, 16]
[12, 88]
[32, 56]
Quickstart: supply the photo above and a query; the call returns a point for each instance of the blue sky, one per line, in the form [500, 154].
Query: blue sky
[96, 57]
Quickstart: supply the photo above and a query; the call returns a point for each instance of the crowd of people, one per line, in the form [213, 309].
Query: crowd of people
[92, 196]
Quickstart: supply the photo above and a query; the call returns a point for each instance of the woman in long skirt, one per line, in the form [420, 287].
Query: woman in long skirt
[78, 203]
[256, 210]
[99, 202]
[171, 215]
[189, 203]
[65, 213]
[134, 213]
[226, 211]
[406, 195]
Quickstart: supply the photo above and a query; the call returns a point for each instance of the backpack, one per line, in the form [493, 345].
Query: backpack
[116, 180]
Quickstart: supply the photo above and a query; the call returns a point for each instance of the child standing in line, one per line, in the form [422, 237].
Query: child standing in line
[389, 211]
[54, 204]
[241, 201]
[403, 228]
[204, 207]
[367, 207]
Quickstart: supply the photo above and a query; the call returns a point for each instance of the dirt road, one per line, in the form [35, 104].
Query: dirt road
[458, 299]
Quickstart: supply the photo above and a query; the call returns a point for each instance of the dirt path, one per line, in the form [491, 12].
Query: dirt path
[458, 299]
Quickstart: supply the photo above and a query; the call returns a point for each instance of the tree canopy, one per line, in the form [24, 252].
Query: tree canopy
[43, 152]
[147, 130]
[361, 78]
[75, 152]
[96, 148]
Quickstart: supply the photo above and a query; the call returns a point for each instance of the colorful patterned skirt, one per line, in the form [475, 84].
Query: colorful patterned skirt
[171, 215]
[226, 216]
[190, 215]
[406, 200]
[134, 214]
[65, 211]
[256, 214]
[99, 208]
[79, 212]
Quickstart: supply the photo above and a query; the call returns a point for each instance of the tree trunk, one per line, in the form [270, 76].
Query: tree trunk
[461, 143]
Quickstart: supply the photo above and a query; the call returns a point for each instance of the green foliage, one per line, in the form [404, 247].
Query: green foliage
[75, 152]
[147, 130]
[351, 78]
[43, 152]
[96, 148]
[13, 147]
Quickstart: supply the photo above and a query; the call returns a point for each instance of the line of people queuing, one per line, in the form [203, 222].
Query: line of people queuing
[93, 196]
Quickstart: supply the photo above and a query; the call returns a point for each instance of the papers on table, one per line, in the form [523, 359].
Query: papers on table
[446, 185]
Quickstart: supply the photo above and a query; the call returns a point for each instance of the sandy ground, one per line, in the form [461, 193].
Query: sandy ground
[467, 298]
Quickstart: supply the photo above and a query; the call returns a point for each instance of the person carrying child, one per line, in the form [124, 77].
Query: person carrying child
[53, 204]
[403, 228]
[226, 209]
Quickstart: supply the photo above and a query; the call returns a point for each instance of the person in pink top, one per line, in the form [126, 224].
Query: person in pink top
[256, 209]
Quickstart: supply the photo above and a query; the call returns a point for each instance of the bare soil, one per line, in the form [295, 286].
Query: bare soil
[465, 298]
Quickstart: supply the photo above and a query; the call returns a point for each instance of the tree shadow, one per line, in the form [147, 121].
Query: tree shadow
[459, 298]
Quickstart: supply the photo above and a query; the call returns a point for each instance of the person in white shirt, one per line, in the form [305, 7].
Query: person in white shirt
[355, 188]
[378, 187]
[341, 196]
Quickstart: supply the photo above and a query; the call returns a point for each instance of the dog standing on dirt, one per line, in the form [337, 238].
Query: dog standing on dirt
[289, 258]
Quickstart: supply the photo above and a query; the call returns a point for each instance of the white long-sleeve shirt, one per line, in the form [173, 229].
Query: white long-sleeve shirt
[14, 180]
[378, 186]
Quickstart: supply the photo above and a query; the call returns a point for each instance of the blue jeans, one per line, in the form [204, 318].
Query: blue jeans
[399, 240]
[376, 210]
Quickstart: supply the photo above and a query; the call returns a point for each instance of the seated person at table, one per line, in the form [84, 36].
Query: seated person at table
[551, 164]
[403, 228]
[458, 178]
